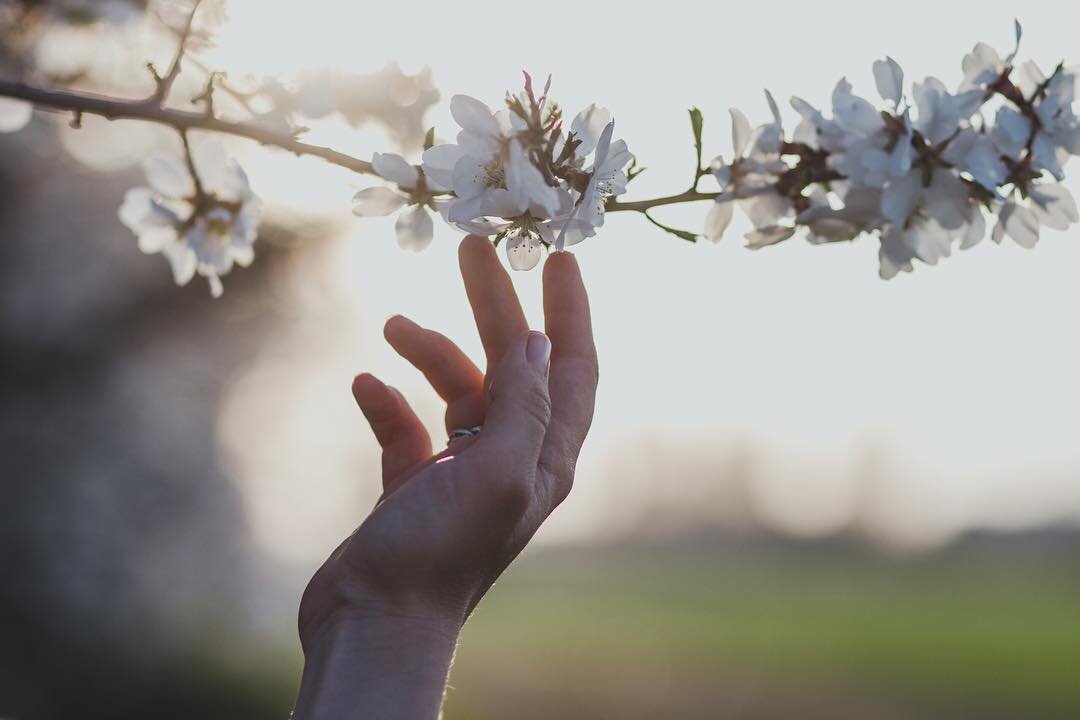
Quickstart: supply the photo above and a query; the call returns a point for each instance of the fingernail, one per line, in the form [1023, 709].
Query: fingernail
[538, 349]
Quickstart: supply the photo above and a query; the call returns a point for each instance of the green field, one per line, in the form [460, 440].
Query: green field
[988, 629]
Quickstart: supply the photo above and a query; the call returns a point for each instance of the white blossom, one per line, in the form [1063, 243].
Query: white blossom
[755, 163]
[605, 179]
[205, 234]
[1019, 223]
[606, 176]
[1053, 134]
[983, 65]
[1053, 206]
[750, 178]
[859, 211]
[981, 157]
[862, 146]
[488, 169]
[414, 226]
[941, 114]
[514, 175]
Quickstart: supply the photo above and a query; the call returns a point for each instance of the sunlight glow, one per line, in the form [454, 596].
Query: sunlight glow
[966, 373]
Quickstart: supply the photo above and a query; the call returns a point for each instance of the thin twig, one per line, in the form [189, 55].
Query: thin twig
[643, 205]
[164, 84]
[179, 120]
[240, 97]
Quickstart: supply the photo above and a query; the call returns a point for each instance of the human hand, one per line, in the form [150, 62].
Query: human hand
[448, 524]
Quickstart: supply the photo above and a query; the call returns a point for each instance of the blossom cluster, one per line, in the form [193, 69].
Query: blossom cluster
[922, 173]
[926, 170]
[514, 174]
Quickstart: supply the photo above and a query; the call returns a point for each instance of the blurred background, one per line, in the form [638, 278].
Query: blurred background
[808, 492]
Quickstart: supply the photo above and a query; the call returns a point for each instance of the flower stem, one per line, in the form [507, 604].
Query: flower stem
[643, 205]
[200, 192]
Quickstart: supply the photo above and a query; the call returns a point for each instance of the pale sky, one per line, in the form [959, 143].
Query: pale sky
[960, 379]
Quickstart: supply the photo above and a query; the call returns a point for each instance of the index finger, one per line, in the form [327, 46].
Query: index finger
[574, 370]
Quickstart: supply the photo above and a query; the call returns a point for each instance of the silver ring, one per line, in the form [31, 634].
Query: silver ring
[459, 433]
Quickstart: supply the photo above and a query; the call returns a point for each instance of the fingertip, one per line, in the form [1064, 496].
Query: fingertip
[561, 265]
[364, 380]
[562, 281]
[472, 244]
[370, 392]
[396, 325]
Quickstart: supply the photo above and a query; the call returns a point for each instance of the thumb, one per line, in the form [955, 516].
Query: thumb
[520, 407]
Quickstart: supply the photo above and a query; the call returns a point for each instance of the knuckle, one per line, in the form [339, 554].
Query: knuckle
[561, 476]
[512, 493]
[537, 403]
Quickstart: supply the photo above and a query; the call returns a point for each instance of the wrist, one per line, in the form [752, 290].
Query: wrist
[347, 627]
[338, 598]
[384, 666]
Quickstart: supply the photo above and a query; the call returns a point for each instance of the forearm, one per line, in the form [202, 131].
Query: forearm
[382, 669]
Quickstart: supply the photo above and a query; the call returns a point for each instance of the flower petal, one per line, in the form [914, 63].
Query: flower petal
[168, 177]
[763, 237]
[497, 202]
[939, 114]
[182, 260]
[741, 131]
[718, 219]
[587, 126]
[1053, 205]
[377, 201]
[392, 167]
[947, 200]
[985, 165]
[464, 210]
[140, 211]
[523, 251]
[414, 229]
[527, 185]
[567, 232]
[473, 116]
[889, 79]
[470, 177]
[438, 164]
[155, 240]
[900, 198]
[976, 229]
[1020, 224]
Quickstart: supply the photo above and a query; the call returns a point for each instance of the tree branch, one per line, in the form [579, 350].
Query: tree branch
[180, 120]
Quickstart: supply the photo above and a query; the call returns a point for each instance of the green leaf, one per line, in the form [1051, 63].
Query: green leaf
[697, 121]
[633, 171]
[429, 139]
[683, 234]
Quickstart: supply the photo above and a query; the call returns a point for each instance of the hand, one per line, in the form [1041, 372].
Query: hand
[448, 525]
